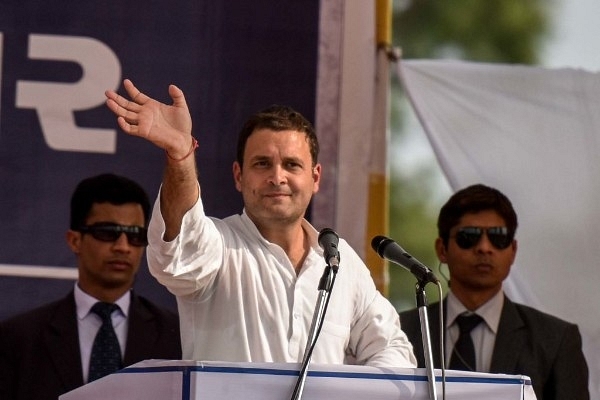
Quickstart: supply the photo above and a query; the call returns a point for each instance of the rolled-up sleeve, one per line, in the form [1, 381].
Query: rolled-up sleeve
[190, 261]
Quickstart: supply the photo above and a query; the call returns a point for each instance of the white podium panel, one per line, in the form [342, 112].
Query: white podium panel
[196, 380]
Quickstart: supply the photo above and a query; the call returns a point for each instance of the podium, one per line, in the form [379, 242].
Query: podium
[195, 380]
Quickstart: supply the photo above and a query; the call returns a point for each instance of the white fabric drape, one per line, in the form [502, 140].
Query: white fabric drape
[534, 134]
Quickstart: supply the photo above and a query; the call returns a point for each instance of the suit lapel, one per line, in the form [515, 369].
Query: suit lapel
[61, 340]
[142, 334]
[509, 340]
[434, 327]
[413, 329]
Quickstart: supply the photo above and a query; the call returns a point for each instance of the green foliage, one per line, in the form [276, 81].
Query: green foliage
[507, 31]
[504, 31]
[413, 225]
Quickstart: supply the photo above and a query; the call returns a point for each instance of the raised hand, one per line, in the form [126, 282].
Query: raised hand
[167, 126]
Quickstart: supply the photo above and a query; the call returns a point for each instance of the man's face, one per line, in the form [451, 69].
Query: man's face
[277, 179]
[482, 267]
[107, 266]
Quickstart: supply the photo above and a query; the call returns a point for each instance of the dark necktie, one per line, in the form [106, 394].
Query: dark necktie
[106, 353]
[463, 355]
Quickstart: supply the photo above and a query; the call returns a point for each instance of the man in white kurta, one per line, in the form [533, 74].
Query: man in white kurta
[247, 285]
[239, 298]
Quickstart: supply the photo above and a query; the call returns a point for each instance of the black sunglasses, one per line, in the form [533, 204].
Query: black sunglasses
[136, 235]
[469, 236]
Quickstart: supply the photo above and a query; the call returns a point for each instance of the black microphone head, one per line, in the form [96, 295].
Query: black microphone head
[391, 251]
[328, 240]
[379, 243]
[328, 235]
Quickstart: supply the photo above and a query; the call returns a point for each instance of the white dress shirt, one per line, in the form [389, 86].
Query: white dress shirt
[88, 324]
[483, 335]
[240, 299]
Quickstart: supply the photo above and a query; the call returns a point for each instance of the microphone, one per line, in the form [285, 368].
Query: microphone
[391, 251]
[328, 240]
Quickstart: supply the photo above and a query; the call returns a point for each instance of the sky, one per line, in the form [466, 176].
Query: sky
[575, 42]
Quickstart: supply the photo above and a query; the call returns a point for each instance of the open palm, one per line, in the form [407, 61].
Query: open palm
[167, 126]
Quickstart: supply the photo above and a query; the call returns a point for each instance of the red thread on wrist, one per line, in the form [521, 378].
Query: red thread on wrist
[193, 147]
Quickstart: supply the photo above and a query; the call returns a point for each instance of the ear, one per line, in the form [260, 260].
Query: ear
[316, 177]
[237, 175]
[441, 250]
[73, 240]
[513, 247]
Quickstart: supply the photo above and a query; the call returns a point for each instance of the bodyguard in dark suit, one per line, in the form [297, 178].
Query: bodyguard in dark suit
[51, 350]
[40, 357]
[476, 240]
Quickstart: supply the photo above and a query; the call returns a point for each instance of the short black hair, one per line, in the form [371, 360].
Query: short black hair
[473, 199]
[278, 118]
[105, 188]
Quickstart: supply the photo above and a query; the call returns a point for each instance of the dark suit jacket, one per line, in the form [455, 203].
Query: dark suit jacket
[529, 342]
[39, 350]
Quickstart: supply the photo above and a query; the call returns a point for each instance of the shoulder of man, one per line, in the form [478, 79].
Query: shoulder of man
[148, 306]
[534, 317]
[537, 325]
[410, 321]
[39, 315]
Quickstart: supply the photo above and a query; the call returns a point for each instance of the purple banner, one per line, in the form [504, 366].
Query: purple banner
[56, 59]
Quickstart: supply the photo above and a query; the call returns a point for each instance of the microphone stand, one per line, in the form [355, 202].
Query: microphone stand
[426, 337]
[325, 287]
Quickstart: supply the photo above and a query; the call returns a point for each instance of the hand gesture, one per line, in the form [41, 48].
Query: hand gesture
[167, 126]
